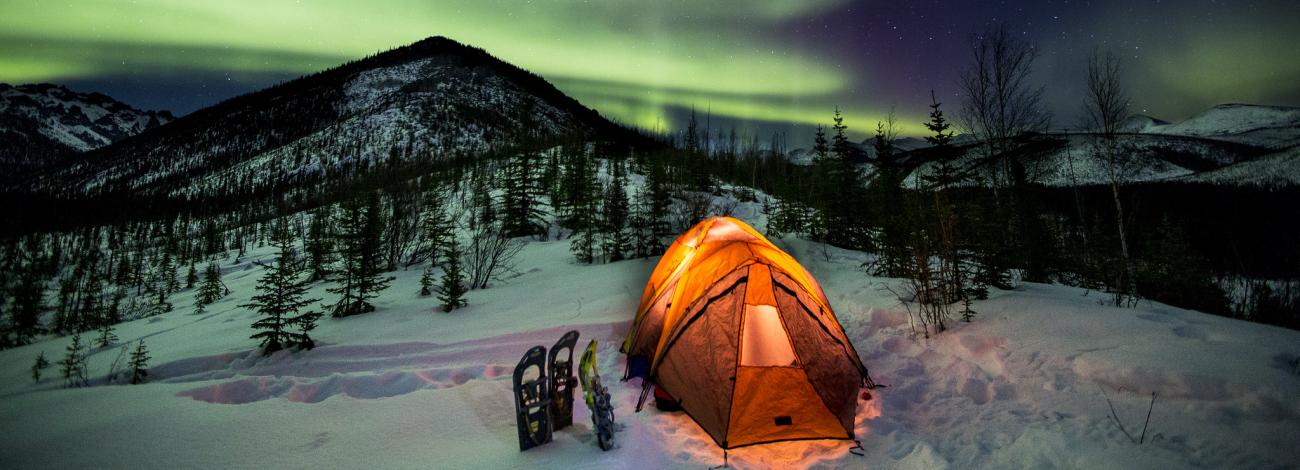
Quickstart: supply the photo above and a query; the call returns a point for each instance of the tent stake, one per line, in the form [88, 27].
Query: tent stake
[857, 447]
[725, 464]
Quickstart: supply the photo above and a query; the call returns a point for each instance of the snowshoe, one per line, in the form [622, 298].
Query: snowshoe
[562, 380]
[532, 402]
[597, 398]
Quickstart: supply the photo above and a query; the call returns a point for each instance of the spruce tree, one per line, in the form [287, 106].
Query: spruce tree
[954, 274]
[692, 135]
[28, 297]
[139, 364]
[41, 364]
[584, 220]
[839, 189]
[65, 313]
[1174, 273]
[451, 291]
[359, 279]
[73, 365]
[614, 215]
[167, 283]
[521, 203]
[211, 290]
[840, 145]
[481, 194]
[785, 216]
[191, 277]
[897, 237]
[280, 299]
[656, 199]
[106, 335]
[319, 245]
[435, 229]
[824, 185]
[550, 177]
[164, 279]
[569, 189]
[642, 236]
[92, 313]
[158, 304]
[113, 314]
[123, 275]
[426, 281]
[772, 228]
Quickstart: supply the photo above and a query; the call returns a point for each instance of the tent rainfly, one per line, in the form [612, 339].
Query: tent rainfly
[744, 338]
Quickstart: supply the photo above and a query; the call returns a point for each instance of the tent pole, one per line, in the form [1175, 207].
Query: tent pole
[645, 392]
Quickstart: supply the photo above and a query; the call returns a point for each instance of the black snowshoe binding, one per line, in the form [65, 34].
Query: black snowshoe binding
[597, 398]
[562, 380]
[532, 400]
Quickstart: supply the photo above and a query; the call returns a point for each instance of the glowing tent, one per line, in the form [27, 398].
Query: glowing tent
[744, 338]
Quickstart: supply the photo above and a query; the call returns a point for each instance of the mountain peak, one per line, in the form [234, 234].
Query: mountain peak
[43, 122]
[1260, 125]
[435, 98]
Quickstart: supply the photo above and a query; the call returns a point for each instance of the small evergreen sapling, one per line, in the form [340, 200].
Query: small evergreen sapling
[191, 277]
[73, 365]
[41, 364]
[139, 364]
[106, 335]
[426, 282]
[211, 290]
[452, 290]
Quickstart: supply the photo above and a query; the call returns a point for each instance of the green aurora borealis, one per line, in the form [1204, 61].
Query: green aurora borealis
[647, 62]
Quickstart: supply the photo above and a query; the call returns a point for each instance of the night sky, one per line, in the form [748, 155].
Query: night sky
[760, 65]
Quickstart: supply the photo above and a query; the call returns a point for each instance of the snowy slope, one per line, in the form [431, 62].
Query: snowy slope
[405, 387]
[1277, 170]
[42, 121]
[430, 100]
[1140, 123]
[1217, 146]
[1079, 159]
[1265, 126]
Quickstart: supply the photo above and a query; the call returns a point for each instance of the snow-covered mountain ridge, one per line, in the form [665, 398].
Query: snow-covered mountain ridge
[1275, 127]
[1208, 147]
[430, 100]
[41, 122]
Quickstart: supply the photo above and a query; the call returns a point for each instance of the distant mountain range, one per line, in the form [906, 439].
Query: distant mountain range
[433, 99]
[41, 124]
[1230, 144]
[438, 99]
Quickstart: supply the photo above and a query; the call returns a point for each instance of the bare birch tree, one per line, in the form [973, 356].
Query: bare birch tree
[1106, 109]
[999, 102]
[999, 105]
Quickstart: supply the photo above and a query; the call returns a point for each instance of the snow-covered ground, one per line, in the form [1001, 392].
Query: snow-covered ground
[408, 387]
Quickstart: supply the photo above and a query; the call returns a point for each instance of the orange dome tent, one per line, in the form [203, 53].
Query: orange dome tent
[744, 338]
